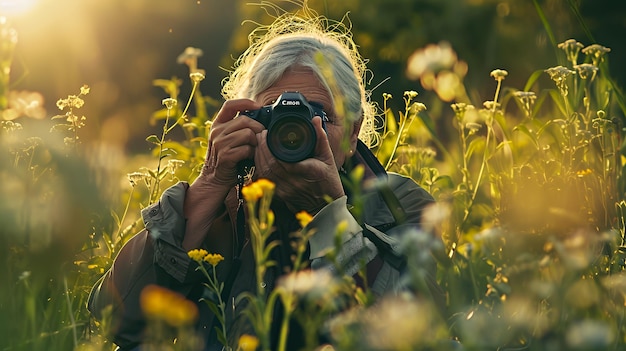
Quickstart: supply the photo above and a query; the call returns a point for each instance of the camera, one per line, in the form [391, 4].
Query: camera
[290, 133]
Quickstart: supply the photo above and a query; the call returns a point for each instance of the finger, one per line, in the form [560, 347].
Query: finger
[322, 147]
[231, 108]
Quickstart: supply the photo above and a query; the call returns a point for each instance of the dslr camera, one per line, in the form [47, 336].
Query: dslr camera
[290, 133]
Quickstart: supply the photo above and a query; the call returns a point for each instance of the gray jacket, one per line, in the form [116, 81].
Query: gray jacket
[155, 255]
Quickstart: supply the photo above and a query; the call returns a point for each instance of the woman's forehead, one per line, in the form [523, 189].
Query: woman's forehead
[301, 80]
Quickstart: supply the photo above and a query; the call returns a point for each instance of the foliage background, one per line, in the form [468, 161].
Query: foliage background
[118, 47]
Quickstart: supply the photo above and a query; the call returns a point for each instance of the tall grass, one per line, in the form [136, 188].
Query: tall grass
[531, 208]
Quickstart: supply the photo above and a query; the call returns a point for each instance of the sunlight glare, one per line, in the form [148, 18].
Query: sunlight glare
[16, 7]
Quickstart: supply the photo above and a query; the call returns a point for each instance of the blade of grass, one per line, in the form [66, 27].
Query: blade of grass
[548, 29]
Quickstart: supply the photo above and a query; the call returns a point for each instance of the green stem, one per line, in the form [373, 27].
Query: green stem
[130, 197]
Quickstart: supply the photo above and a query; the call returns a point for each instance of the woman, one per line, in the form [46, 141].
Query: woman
[293, 55]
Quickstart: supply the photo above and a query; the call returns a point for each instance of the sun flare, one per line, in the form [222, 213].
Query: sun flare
[16, 7]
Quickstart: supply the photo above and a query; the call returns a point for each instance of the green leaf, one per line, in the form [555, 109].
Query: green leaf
[153, 139]
[532, 79]
[476, 144]
[558, 101]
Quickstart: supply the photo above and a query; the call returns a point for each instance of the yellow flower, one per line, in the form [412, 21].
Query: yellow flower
[84, 90]
[304, 218]
[252, 192]
[248, 342]
[197, 254]
[160, 303]
[342, 227]
[265, 185]
[213, 259]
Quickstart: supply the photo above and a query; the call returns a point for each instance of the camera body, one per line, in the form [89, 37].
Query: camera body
[290, 132]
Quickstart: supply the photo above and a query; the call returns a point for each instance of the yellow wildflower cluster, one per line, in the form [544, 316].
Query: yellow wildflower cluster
[200, 255]
[160, 303]
[213, 259]
[197, 254]
[304, 218]
[254, 191]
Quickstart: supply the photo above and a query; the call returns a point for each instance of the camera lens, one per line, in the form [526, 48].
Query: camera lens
[291, 139]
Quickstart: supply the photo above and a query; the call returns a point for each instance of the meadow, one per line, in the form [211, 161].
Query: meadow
[530, 184]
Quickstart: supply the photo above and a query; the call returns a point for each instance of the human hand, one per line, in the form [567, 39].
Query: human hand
[231, 140]
[305, 185]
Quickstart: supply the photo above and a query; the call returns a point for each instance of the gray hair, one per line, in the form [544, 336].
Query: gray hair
[315, 43]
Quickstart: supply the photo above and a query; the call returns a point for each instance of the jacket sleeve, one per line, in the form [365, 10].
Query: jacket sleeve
[153, 256]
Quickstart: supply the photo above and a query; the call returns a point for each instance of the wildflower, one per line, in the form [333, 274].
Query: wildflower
[251, 192]
[75, 101]
[24, 103]
[69, 141]
[72, 101]
[586, 70]
[24, 275]
[590, 335]
[571, 48]
[342, 227]
[169, 103]
[197, 76]
[213, 259]
[410, 94]
[427, 152]
[491, 105]
[315, 285]
[418, 245]
[62, 104]
[160, 303]
[10, 126]
[430, 60]
[418, 107]
[248, 342]
[473, 127]
[84, 90]
[447, 85]
[499, 74]
[304, 218]
[136, 177]
[197, 254]
[391, 325]
[34, 141]
[526, 99]
[461, 109]
[190, 53]
[266, 185]
[174, 165]
[189, 57]
[596, 52]
[559, 75]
